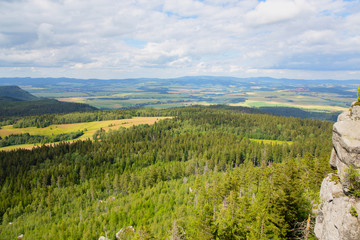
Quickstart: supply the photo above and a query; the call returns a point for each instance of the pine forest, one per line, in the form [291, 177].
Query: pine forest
[204, 173]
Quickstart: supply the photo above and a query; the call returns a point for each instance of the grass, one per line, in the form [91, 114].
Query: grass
[89, 129]
[266, 141]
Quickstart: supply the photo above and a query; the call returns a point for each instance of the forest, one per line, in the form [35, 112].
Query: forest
[26, 138]
[16, 102]
[204, 174]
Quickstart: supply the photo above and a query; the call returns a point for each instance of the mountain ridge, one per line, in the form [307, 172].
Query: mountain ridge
[16, 92]
[15, 101]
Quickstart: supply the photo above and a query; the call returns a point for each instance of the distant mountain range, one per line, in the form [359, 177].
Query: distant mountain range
[180, 80]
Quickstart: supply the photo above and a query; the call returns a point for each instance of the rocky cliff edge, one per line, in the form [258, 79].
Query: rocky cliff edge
[339, 212]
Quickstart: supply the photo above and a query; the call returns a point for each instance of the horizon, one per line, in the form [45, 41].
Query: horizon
[291, 39]
[194, 76]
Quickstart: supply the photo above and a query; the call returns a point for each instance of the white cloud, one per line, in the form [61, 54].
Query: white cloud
[79, 38]
[274, 11]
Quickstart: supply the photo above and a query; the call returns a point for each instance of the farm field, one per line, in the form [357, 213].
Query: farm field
[301, 105]
[89, 128]
[316, 95]
[250, 99]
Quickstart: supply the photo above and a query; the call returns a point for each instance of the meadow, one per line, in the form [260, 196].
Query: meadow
[267, 141]
[89, 128]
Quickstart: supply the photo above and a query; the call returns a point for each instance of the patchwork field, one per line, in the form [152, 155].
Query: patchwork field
[250, 97]
[318, 95]
[299, 104]
[89, 128]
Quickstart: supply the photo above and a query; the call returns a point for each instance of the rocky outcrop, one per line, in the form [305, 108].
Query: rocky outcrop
[339, 213]
[125, 233]
[103, 238]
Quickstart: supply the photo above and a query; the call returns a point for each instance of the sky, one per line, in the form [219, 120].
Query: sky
[305, 39]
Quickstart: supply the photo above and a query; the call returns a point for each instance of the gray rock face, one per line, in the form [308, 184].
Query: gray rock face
[346, 141]
[344, 116]
[334, 220]
[355, 112]
[339, 213]
[333, 159]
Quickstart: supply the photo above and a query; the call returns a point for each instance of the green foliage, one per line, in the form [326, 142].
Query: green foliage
[353, 177]
[45, 120]
[335, 179]
[353, 212]
[10, 109]
[26, 138]
[196, 176]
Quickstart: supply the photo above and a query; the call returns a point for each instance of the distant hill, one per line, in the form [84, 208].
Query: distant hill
[16, 102]
[16, 92]
[300, 113]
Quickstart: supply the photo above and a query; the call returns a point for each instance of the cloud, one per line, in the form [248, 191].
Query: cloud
[274, 11]
[172, 38]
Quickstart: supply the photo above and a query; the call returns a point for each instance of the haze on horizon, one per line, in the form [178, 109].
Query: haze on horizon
[169, 38]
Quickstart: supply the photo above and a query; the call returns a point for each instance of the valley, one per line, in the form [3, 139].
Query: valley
[219, 172]
[316, 95]
[185, 161]
[180, 120]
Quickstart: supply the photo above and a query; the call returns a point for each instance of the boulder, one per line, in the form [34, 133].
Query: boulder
[337, 214]
[344, 116]
[346, 141]
[355, 113]
[125, 233]
[103, 238]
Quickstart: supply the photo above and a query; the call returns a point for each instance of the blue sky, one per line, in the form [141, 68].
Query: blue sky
[170, 38]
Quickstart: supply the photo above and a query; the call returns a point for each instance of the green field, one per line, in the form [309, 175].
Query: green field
[177, 96]
[266, 141]
[89, 128]
[299, 104]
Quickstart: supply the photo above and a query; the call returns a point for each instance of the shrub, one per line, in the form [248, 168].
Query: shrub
[353, 212]
[353, 177]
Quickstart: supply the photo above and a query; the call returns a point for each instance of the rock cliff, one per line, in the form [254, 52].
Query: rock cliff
[339, 212]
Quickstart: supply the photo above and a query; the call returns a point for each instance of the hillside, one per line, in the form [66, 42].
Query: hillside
[16, 92]
[204, 174]
[16, 102]
[10, 108]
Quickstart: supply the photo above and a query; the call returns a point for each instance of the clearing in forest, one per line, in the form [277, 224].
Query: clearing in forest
[89, 128]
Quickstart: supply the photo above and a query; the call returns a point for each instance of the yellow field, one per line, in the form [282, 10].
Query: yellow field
[254, 103]
[89, 129]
